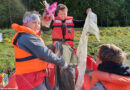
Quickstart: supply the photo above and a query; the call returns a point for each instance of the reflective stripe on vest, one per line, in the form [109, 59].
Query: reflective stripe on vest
[69, 26]
[63, 40]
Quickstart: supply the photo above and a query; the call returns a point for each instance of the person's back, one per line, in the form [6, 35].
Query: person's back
[112, 74]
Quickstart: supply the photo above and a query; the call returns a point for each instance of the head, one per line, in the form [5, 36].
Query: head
[62, 11]
[32, 20]
[89, 10]
[110, 52]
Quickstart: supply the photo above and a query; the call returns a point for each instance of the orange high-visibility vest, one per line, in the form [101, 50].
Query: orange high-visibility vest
[63, 31]
[110, 81]
[26, 62]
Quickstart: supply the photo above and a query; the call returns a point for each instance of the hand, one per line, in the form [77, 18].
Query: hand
[64, 67]
[47, 17]
[51, 16]
[88, 10]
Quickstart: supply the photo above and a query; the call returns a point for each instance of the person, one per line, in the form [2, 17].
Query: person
[31, 54]
[63, 30]
[112, 74]
[63, 26]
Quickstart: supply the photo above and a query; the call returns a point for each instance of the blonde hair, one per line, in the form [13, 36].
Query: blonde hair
[110, 52]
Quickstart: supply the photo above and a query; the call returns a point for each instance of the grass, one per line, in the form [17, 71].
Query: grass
[119, 36]
[6, 51]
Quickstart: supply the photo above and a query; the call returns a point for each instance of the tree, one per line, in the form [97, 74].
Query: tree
[10, 11]
[125, 13]
[109, 12]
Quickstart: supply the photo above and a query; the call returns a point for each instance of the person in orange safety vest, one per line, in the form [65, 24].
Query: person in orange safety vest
[31, 54]
[63, 26]
[112, 74]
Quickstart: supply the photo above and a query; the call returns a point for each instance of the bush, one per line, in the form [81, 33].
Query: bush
[10, 11]
[114, 35]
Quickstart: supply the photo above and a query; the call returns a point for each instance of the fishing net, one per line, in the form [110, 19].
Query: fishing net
[65, 77]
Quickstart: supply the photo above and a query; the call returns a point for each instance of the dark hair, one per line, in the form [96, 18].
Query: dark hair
[110, 52]
[61, 7]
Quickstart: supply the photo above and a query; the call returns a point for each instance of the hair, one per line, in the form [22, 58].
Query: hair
[61, 7]
[27, 14]
[110, 52]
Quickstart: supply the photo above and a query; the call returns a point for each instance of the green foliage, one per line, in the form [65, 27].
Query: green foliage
[32, 5]
[109, 12]
[125, 13]
[6, 51]
[114, 35]
[10, 11]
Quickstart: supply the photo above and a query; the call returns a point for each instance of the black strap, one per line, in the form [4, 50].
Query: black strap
[62, 39]
[63, 30]
[16, 38]
[25, 59]
[69, 40]
[69, 26]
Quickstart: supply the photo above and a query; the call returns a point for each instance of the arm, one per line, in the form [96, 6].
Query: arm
[33, 45]
[78, 23]
[44, 28]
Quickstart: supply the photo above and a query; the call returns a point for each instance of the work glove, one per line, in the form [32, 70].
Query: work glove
[65, 66]
[51, 46]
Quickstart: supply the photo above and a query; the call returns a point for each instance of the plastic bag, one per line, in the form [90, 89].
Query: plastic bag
[49, 10]
[90, 27]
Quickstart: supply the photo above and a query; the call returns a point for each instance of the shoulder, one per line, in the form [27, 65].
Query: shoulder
[69, 17]
[27, 37]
